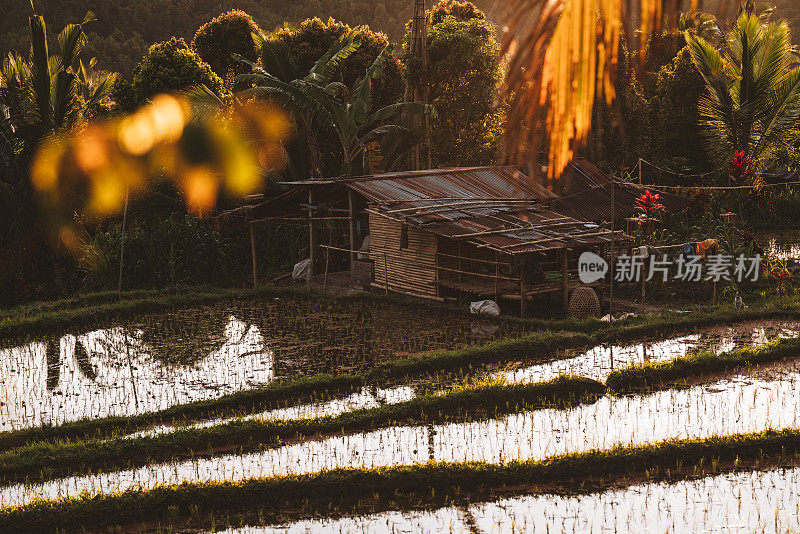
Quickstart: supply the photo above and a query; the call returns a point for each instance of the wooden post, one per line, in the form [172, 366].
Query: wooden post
[386, 273]
[351, 202]
[253, 253]
[523, 290]
[643, 281]
[496, 277]
[312, 238]
[459, 261]
[613, 251]
[565, 280]
[327, 260]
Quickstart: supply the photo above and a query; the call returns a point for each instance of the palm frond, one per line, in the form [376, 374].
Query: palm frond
[40, 68]
[70, 42]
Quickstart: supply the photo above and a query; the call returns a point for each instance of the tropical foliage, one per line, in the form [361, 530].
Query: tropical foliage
[464, 72]
[38, 95]
[230, 33]
[752, 98]
[126, 28]
[648, 205]
[171, 67]
[348, 111]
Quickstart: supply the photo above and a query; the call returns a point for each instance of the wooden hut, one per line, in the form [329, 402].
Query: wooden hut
[440, 233]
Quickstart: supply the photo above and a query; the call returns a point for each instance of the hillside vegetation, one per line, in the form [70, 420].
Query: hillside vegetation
[126, 28]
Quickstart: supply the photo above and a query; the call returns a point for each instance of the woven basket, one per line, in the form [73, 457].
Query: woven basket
[584, 303]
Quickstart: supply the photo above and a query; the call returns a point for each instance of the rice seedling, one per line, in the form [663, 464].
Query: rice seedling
[753, 501]
[431, 483]
[730, 406]
[212, 396]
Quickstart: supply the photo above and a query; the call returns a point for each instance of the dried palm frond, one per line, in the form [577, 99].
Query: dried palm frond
[562, 57]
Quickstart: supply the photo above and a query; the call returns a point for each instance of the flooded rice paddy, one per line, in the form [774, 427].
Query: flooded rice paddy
[115, 372]
[600, 361]
[782, 246]
[165, 360]
[597, 363]
[734, 503]
[737, 405]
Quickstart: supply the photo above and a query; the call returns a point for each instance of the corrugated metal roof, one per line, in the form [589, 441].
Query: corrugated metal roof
[535, 230]
[491, 207]
[429, 186]
[595, 204]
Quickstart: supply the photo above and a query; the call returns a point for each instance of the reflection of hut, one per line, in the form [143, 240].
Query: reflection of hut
[437, 233]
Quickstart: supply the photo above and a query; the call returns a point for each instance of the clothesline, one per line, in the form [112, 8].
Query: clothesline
[709, 187]
[717, 188]
[709, 173]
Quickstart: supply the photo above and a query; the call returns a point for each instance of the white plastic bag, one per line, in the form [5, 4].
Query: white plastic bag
[302, 270]
[363, 252]
[485, 307]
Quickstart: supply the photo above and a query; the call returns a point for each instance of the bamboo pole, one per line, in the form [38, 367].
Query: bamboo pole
[299, 219]
[469, 202]
[312, 241]
[563, 237]
[496, 279]
[253, 254]
[536, 228]
[351, 204]
[613, 252]
[565, 280]
[476, 260]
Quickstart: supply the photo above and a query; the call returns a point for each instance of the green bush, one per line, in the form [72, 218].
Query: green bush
[230, 33]
[170, 67]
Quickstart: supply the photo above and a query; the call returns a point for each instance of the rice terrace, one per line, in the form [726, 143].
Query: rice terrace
[476, 266]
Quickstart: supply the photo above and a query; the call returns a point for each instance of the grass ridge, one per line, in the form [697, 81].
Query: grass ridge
[47, 460]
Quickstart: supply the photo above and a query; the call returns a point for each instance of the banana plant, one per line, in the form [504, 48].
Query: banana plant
[278, 78]
[317, 98]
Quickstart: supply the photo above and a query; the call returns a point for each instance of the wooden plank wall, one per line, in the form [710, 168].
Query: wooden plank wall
[411, 270]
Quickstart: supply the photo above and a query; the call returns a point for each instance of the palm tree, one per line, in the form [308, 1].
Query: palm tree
[317, 99]
[752, 100]
[51, 92]
[37, 96]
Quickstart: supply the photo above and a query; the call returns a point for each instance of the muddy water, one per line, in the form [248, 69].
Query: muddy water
[738, 405]
[595, 363]
[117, 372]
[600, 361]
[745, 502]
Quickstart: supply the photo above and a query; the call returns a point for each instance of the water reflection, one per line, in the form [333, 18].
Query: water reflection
[600, 361]
[117, 372]
[364, 399]
[745, 502]
[595, 363]
[739, 405]
[783, 246]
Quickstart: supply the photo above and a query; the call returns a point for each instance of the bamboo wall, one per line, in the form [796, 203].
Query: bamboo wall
[411, 270]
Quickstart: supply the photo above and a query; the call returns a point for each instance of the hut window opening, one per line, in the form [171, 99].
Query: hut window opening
[403, 236]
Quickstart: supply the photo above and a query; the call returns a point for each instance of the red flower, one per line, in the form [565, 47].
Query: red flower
[740, 167]
[648, 204]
